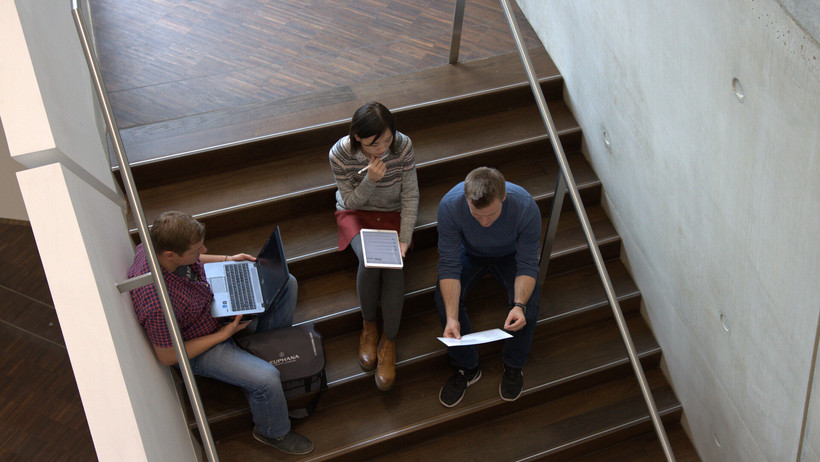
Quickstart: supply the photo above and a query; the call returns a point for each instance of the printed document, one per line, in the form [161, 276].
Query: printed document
[476, 338]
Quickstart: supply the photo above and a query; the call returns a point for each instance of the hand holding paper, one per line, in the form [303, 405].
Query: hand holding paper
[476, 338]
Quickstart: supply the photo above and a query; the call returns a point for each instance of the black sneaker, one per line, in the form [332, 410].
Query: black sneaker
[452, 391]
[291, 443]
[512, 383]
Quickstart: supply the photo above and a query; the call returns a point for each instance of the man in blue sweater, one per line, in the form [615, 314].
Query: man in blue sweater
[487, 225]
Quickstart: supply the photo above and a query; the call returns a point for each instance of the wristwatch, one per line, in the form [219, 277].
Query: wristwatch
[520, 305]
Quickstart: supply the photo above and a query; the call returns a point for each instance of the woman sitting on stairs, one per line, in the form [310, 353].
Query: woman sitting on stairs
[375, 172]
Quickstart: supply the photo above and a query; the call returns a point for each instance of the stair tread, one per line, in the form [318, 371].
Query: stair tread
[308, 168]
[330, 294]
[148, 142]
[308, 233]
[412, 405]
[547, 428]
[417, 340]
[646, 448]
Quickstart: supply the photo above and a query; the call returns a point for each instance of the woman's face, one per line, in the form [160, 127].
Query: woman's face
[375, 146]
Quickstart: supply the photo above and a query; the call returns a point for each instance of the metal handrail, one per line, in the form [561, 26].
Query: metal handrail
[148, 246]
[566, 181]
[458, 20]
[575, 195]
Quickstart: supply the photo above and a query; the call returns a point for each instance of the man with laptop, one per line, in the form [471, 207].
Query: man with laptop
[179, 241]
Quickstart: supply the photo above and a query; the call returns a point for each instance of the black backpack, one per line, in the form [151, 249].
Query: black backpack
[298, 353]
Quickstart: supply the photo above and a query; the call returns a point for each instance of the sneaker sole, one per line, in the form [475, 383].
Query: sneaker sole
[469, 382]
[509, 399]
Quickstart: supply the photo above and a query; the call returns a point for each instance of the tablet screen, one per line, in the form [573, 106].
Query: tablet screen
[381, 248]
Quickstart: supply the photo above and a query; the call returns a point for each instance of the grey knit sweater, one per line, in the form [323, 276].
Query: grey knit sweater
[398, 190]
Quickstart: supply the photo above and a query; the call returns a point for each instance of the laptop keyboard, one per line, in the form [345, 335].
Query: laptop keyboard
[240, 287]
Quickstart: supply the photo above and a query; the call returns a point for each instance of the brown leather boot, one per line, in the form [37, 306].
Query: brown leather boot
[386, 370]
[367, 345]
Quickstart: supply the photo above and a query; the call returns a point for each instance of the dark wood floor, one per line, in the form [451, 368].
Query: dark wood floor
[183, 76]
[175, 63]
[41, 415]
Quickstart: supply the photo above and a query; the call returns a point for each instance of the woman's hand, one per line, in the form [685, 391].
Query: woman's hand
[403, 246]
[376, 170]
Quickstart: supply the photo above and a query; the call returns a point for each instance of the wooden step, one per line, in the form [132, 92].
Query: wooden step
[176, 138]
[297, 167]
[417, 341]
[377, 422]
[331, 302]
[308, 233]
[646, 448]
[564, 308]
[553, 429]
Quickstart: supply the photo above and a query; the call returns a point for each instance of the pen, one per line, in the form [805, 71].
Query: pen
[364, 169]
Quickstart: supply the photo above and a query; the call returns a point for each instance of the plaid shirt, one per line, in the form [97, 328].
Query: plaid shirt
[191, 301]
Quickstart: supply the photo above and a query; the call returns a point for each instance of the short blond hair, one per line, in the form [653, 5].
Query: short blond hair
[176, 231]
[483, 186]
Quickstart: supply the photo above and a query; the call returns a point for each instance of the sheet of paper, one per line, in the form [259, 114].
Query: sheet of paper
[476, 338]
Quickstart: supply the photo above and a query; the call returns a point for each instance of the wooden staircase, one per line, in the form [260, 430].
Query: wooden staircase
[580, 395]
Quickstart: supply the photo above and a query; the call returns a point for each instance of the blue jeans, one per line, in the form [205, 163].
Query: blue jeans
[230, 364]
[503, 269]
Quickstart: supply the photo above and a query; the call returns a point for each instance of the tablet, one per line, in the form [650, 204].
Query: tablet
[381, 248]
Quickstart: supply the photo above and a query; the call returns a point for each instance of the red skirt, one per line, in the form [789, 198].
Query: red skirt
[350, 222]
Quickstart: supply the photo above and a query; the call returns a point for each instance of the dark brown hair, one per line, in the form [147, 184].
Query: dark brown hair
[371, 120]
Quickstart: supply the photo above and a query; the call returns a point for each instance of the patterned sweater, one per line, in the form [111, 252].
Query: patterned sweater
[398, 190]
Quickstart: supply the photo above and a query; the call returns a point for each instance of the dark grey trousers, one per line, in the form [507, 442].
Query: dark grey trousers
[376, 285]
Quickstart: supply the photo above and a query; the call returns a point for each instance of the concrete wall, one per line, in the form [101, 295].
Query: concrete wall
[716, 197]
[52, 126]
[11, 201]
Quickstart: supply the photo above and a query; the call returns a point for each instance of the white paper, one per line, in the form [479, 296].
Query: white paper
[476, 338]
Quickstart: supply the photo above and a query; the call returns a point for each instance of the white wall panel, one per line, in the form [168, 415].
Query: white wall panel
[129, 398]
[716, 199]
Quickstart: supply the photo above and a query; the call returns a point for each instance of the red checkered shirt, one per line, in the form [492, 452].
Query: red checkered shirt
[191, 301]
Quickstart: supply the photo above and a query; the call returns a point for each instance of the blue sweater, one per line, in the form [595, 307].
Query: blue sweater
[516, 231]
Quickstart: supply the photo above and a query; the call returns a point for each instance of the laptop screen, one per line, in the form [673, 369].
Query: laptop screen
[272, 267]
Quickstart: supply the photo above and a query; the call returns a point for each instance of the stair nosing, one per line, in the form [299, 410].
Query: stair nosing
[466, 410]
[344, 121]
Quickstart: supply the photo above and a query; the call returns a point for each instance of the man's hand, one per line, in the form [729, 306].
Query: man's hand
[234, 326]
[376, 170]
[515, 319]
[452, 329]
[196, 346]
[241, 256]
[403, 246]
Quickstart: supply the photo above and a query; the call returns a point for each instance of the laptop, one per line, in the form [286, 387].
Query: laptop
[247, 287]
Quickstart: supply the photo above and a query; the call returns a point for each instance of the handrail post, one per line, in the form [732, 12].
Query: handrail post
[153, 263]
[572, 188]
[458, 21]
[552, 228]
